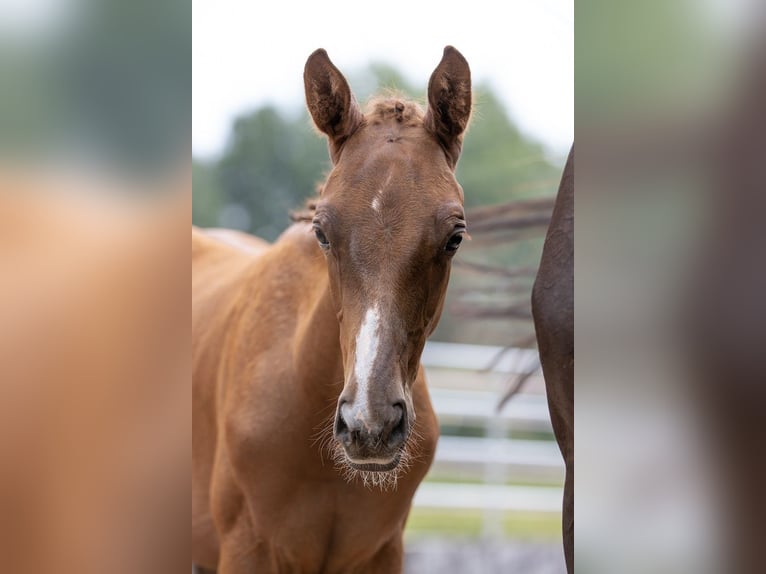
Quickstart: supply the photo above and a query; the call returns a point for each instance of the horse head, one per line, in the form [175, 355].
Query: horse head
[389, 220]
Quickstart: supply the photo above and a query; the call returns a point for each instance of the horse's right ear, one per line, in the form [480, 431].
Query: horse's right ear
[330, 101]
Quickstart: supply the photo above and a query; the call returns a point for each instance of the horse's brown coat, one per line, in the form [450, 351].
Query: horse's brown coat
[279, 386]
[553, 311]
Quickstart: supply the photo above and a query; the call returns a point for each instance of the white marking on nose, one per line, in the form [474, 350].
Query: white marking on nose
[366, 351]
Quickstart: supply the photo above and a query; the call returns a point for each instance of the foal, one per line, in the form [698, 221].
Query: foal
[312, 421]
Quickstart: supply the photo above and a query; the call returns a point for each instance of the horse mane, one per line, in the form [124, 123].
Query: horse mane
[391, 105]
[306, 215]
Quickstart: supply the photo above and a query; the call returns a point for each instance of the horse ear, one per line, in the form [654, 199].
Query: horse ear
[330, 101]
[449, 102]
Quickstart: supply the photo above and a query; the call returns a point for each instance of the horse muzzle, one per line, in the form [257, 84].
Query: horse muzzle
[372, 439]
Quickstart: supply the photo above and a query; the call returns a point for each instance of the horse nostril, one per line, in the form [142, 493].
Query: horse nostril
[399, 413]
[398, 427]
[341, 428]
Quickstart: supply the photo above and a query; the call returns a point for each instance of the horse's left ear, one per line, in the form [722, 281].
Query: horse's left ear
[449, 102]
[330, 101]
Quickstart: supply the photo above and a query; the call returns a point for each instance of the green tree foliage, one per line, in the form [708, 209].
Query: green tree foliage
[271, 165]
[109, 85]
[206, 194]
[499, 163]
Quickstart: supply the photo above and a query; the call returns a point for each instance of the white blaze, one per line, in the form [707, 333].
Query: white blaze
[376, 203]
[366, 350]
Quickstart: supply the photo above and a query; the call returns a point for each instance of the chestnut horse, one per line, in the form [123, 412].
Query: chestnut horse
[312, 424]
[553, 312]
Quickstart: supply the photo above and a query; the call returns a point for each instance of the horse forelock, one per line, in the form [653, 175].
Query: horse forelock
[393, 106]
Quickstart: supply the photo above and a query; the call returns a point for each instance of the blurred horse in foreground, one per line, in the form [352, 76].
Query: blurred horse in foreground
[95, 408]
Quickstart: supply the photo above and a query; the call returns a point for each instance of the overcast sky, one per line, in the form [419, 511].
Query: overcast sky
[248, 52]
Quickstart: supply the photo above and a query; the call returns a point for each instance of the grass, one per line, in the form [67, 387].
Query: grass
[453, 478]
[468, 524]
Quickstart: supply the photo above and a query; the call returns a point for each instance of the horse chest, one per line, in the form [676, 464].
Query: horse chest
[328, 527]
[314, 519]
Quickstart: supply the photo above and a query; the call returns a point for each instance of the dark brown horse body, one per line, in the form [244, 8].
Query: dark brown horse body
[553, 312]
[311, 418]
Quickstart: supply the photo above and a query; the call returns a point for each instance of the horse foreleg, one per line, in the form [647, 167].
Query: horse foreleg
[241, 551]
[553, 313]
[567, 516]
[389, 558]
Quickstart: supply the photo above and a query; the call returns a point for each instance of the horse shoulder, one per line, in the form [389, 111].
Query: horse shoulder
[219, 272]
[261, 307]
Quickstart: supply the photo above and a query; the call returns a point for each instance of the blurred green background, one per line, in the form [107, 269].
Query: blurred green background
[96, 85]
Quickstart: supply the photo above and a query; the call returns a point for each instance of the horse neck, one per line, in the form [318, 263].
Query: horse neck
[286, 303]
[316, 350]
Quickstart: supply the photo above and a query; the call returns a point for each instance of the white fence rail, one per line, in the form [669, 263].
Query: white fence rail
[510, 452]
[523, 411]
[497, 457]
[478, 357]
[489, 496]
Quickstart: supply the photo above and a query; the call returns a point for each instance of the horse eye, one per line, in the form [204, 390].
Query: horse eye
[321, 238]
[454, 242]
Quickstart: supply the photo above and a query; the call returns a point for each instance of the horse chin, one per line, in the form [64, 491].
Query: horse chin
[375, 465]
[373, 473]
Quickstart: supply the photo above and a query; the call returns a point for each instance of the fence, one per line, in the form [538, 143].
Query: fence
[484, 470]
